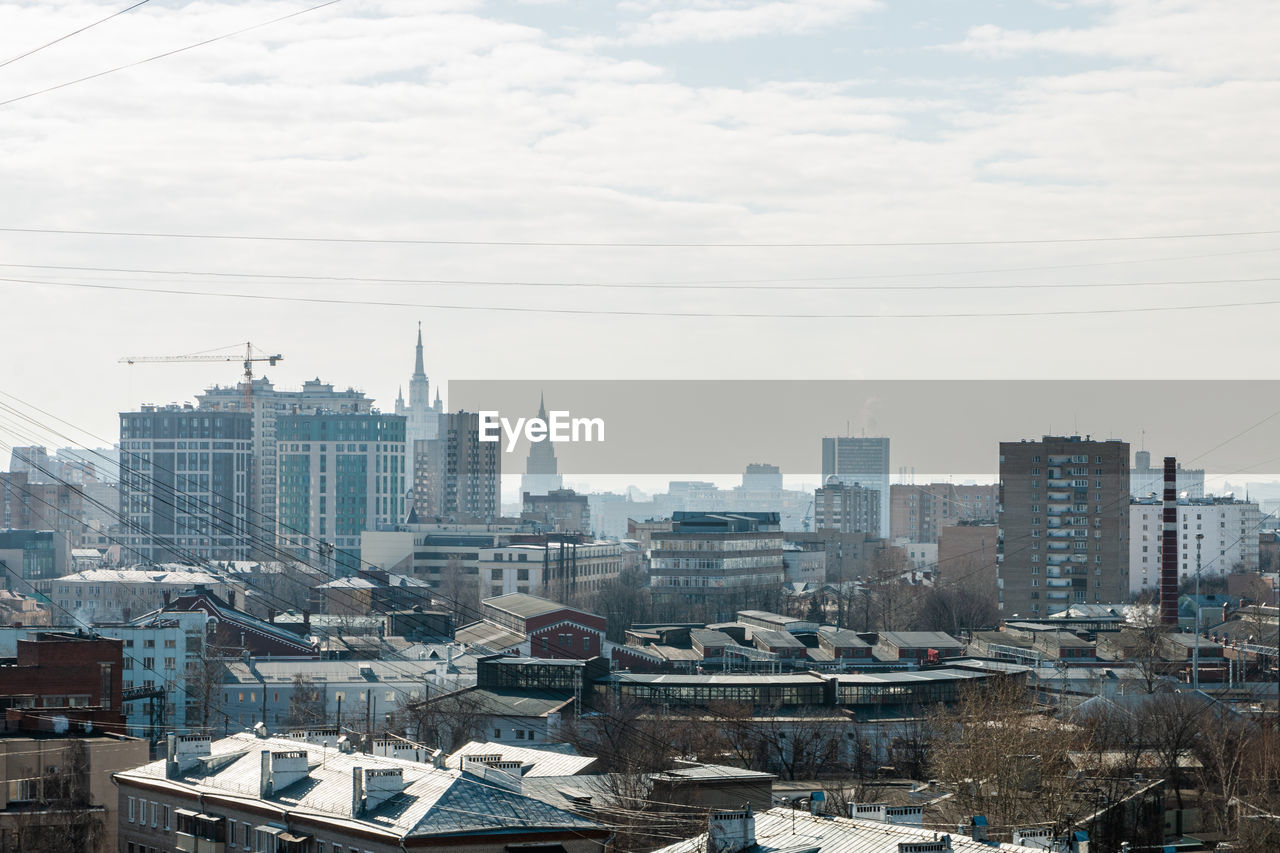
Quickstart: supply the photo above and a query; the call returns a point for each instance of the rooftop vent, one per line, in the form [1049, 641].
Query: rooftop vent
[282, 769]
[381, 784]
[185, 752]
[730, 832]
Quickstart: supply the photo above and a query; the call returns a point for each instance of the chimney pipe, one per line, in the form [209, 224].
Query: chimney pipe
[357, 791]
[264, 781]
[171, 757]
[1169, 545]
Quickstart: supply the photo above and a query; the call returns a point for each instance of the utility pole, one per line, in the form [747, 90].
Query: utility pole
[1195, 650]
[339, 714]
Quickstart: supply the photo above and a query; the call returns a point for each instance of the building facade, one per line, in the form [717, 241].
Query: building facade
[339, 474]
[860, 460]
[1064, 524]
[559, 570]
[266, 403]
[560, 510]
[457, 476]
[846, 508]
[185, 484]
[1230, 531]
[715, 564]
[919, 512]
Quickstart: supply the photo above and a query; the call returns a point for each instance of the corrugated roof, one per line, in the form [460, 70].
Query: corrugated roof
[538, 762]
[788, 829]
[920, 639]
[433, 803]
[489, 635]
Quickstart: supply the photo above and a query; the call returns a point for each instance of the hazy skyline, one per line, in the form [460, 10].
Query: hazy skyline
[721, 121]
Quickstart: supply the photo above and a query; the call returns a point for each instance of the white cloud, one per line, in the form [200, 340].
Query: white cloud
[727, 20]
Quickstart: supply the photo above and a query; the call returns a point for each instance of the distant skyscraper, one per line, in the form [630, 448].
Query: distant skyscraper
[541, 476]
[1064, 524]
[340, 474]
[1145, 481]
[860, 460]
[422, 416]
[457, 475]
[184, 484]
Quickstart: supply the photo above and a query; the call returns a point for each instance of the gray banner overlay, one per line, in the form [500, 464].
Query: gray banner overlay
[715, 426]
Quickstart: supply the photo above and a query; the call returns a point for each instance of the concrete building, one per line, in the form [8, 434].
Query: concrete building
[846, 507]
[339, 475]
[426, 550]
[31, 559]
[1230, 543]
[458, 477]
[860, 460]
[421, 414]
[286, 794]
[28, 505]
[919, 512]
[185, 484]
[159, 650]
[58, 793]
[1145, 481]
[1064, 524]
[119, 595]
[716, 563]
[559, 511]
[966, 551]
[561, 570]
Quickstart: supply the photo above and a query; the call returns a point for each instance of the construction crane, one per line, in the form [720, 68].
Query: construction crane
[250, 356]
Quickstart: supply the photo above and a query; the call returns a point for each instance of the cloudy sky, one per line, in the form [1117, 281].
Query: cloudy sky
[460, 127]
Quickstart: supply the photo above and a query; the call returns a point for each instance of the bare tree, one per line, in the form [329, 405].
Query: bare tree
[306, 703]
[446, 721]
[65, 818]
[460, 590]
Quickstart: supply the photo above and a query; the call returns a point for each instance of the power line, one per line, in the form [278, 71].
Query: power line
[605, 312]
[62, 38]
[744, 285]
[166, 54]
[275, 238]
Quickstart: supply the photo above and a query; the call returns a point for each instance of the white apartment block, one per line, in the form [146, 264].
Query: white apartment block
[1229, 527]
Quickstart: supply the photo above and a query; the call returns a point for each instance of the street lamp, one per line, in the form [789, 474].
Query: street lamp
[1195, 650]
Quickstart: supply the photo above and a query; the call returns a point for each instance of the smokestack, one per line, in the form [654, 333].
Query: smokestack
[1169, 545]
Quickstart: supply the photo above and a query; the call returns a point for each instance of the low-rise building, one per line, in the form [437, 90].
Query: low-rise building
[287, 794]
[118, 595]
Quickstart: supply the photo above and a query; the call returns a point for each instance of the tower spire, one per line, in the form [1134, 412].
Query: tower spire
[542, 405]
[418, 368]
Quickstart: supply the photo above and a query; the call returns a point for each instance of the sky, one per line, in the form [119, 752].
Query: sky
[1009, 144]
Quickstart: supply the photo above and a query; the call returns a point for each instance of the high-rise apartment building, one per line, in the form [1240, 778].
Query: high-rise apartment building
[1228, 531]
[184, 484]
[422, 415]
[860, 460]
[846, 507]
[339, 474]
[1064, 524]
[267, 404]
[541, 470]
[919, 512]
[457, 476]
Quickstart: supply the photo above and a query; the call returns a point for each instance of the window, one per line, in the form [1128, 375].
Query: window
[155, 814]
[131, 808]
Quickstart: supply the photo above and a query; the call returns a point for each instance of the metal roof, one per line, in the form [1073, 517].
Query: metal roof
[788, 829]
[540, 762]
[433, 803]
